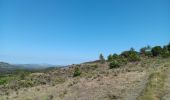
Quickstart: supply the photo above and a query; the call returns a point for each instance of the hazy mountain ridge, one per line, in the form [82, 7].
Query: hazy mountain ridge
[7, 67]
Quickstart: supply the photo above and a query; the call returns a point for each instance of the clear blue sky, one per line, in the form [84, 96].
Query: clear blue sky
[74, 31]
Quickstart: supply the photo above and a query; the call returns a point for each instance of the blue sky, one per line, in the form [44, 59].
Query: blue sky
[74, 31]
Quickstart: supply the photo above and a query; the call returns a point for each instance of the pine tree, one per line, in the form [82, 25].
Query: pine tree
[101, 58]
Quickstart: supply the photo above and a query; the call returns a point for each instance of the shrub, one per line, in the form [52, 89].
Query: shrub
[94, 66]
[122, 61]
[3, 81]
[25, 83]
[131, 55]
[77, 72]
[156, 51]
[114, 64]
[146, 51]
[165, 52]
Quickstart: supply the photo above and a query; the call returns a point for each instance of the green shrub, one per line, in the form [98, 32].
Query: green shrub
[156, 51]
[77, 72]
[3, 81]
[114, 64]
[165, 52]
[131, 55]
[148, 53]
[6, 79]
[122, 61]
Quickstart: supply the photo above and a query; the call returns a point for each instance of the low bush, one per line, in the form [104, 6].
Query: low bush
[131, 55]
[77, 72]
[114, 64]
[122, 61]
[6, 79]
[3, 81]
[156, 51]
[25, 83]
[165, 52]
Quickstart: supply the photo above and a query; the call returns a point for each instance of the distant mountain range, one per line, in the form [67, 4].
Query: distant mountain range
[34, 66]
[6, 67]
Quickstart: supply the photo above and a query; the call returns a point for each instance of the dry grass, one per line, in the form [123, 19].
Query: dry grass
[97, 82]
[155, 88]
[99, 88]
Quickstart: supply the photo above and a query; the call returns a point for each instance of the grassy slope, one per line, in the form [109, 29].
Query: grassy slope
[167, 86]
[98, 83]
[155, 88]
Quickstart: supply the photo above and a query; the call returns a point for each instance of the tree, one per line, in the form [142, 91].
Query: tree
[168, 46]
[115, 56]
[101, 58]
[112, 57]
[156, 51]
[109, 58]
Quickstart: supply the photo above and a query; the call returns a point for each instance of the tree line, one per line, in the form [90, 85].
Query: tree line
[116, 60]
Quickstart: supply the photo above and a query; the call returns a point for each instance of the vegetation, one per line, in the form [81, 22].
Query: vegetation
[168, 46]
[133, 56]
[146, 51]
[77, 72]
[155, 87]
[156, 51]
[113, 57]
[95, 73]
[101, 58]
[165, 52]
[4, 80]
[114, 64]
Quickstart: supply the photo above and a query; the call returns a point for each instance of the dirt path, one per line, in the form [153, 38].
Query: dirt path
[135, 91]
[167, 86]
[158, 85]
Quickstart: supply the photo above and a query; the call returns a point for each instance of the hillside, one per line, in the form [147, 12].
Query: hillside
[96, 82]
[131, 75]
[6, 68]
